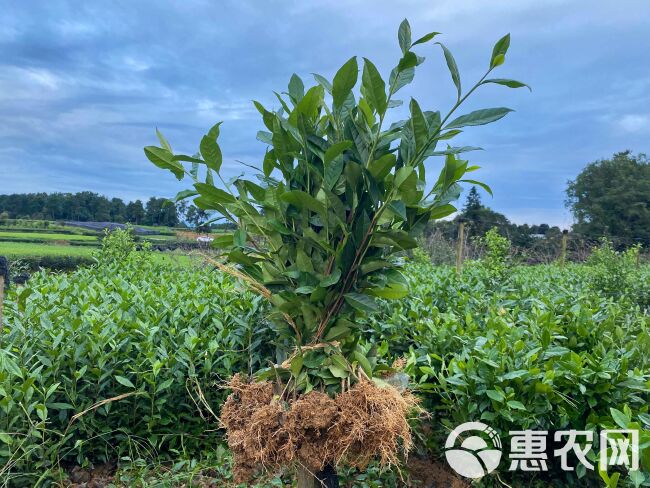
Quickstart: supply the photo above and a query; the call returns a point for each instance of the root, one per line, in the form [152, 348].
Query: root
[266, 433]
[372, 423]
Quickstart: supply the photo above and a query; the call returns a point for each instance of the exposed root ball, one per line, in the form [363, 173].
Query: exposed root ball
[372, 422]
[252, 420]
[309, 421]
[266, 433]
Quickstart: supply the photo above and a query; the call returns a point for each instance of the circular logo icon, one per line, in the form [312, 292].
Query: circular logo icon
[475, 456]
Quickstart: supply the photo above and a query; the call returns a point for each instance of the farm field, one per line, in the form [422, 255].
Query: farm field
[45, 244]
[19, 249]
[46, 236]
[124, 364]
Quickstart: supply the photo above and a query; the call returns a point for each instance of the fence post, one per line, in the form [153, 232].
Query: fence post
[460, 247]
[565, 234]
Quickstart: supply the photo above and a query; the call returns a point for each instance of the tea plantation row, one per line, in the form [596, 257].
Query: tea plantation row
[125, 362]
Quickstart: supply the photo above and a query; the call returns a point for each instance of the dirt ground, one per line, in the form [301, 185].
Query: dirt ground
[429, 473]
[424, 473]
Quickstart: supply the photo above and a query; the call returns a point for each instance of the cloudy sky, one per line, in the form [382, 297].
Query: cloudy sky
[83, 85]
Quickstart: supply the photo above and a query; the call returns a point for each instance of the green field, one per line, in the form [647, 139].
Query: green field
[18, 249]
[22, 250]
[46, 236]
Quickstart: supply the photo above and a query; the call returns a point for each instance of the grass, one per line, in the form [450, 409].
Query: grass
[45, 236]
[23, 249]
[18, 249]
[158, 238]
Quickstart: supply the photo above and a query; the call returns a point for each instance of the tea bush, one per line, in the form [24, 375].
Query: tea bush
[541, 350]
[616, 273]
[163, 335]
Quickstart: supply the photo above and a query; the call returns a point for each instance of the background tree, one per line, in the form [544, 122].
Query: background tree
[118, 210]
[196, 218]
[135, 212]
[160, 211]
[473, 201]
[480, 219]
[611, 197]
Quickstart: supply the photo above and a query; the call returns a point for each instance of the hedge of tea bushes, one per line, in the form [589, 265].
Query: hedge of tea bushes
[162, 336]
[541, 350]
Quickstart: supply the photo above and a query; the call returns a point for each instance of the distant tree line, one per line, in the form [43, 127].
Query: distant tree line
[479, 219]
[610, 197]
[88, 206]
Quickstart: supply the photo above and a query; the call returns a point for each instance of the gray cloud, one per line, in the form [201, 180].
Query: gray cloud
[84, 84]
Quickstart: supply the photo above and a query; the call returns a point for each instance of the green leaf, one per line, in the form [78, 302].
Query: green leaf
[402, 175]
[516, 405]
[6, 439]
[393, 291]
[379, 168]
[425, 38]
[363, 362]
[400, 78]
[408, 61]
[394, 237]
[164, 159]
[481, 184]
[637, 478]
[418, 125]
[373, 87]
[499, 51]
[515, 374]
[344, 82]
[324, 82]
[507, 82]
[453, 69]
[183, 194]
[222, 241]
[442, 211]
[211, 153]
[309, 105]
[342, 328]
[214, 194]
[404, 36]
[335, 150]
[163, 141]
[265, 137]
[124, 381]
[360, 302]
[305, 290]
[214, 131]
[165, 384]
[479, 117]
[239, 238]
[300, 199]
[620, 418]
[331, 279]
[495, 395]
[296, 88]
[333, 171]
[284, 105]
[338, 372]
[296, 365]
